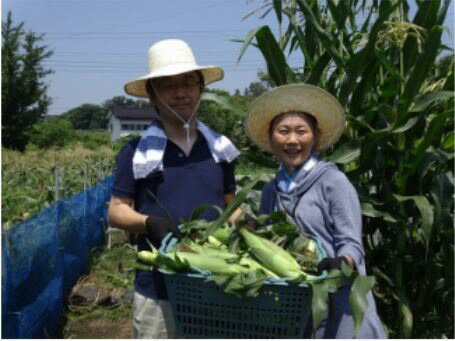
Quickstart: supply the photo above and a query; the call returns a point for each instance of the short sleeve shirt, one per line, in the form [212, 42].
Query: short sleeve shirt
[185, 183]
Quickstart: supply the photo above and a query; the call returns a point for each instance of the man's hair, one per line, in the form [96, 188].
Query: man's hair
[150, 90]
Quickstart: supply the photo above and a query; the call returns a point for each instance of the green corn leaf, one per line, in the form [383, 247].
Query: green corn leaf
[358, 301]
[301, 40]
[318, 69]
[389, 66]
[239, 198]
[426, 17]
[276, 62]
[325, 38]
[406, 316]
[241, 285]
[426, 212]
[321, 290]
[406, 126]
[319, 304]
[448, 142]
[339, 12]
[357, 66]
[247, 42]
[346, 153]
[225, 101]
[368, 210]
[278, 11]
[200, 209]
[422, 102]
[425, 61]
[434, 134]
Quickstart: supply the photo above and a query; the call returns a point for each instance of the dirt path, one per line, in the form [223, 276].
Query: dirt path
[100, 304]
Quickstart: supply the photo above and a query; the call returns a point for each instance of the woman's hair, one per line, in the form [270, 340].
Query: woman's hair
[151, 91]
[310, 119]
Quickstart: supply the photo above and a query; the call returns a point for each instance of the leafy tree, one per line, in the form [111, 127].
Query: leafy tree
[123, 101]
[215, 112]
[256, 89]
[93, 116]
[52, 132]
[87, 116]
[24, 98]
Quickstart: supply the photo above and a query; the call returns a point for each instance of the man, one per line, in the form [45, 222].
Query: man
[177, 165]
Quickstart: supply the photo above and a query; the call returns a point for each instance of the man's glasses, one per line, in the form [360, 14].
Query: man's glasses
[171, 85]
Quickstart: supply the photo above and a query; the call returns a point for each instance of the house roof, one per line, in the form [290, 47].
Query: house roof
[134, 113]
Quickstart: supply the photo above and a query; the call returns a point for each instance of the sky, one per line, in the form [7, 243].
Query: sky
[99, 45]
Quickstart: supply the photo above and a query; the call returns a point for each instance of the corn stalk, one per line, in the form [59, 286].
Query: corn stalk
[397, 150]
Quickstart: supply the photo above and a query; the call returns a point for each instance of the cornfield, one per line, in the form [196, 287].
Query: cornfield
[33, 180]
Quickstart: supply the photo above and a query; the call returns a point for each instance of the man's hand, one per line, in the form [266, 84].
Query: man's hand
[158, 228]
[331, 263]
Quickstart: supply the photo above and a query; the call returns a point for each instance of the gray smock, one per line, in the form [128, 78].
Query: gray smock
[324, 204]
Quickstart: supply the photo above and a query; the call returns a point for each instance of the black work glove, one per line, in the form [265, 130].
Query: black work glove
[249, 222]
[331, 263]
[158, 228]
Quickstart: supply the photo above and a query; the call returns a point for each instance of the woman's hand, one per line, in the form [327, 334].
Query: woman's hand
[334, 263]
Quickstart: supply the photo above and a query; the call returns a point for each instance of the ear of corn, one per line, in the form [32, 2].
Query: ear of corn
[210, 251]
[212, 264]
[245, 261]
[222, 234]
[148, 257]
[253, 265]
[213, 241]
[272, 256]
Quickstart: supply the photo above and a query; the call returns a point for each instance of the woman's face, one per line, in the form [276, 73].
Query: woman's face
[292, 139]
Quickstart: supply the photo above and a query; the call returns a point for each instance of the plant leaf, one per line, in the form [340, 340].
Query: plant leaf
[358, 300]
[270, 49]
[247, 42]
[426, 212]
[423, 101]
[348, 152]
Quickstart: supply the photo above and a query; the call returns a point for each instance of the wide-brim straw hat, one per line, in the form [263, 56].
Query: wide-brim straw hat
[171, 57]
[295, 98]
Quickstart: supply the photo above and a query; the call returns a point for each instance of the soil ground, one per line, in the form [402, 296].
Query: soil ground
[100, 304]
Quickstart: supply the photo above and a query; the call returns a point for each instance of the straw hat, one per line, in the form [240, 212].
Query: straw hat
[171, 57]
[295, 98]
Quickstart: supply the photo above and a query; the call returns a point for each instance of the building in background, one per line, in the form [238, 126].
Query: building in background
[125, 121]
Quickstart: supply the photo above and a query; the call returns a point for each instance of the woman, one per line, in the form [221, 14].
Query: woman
[294, 122]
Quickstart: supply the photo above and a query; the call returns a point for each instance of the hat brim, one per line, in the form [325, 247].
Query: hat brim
[295, 98]
[137, 87]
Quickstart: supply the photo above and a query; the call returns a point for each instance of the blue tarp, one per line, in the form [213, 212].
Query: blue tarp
[43, 257]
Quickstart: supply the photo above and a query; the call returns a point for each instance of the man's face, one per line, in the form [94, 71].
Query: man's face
[181, 93]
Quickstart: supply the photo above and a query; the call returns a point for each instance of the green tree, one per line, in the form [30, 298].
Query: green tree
[123, 101]
[256, 89]
[87, 116]
[93, 116]
[24, 93]
[52, 132]
[398, 146]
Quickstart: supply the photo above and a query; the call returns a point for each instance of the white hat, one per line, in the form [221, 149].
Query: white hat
[171, 57]
[295, 98]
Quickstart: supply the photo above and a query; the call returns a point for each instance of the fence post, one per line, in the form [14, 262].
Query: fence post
[57, 183]
[86, 180]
